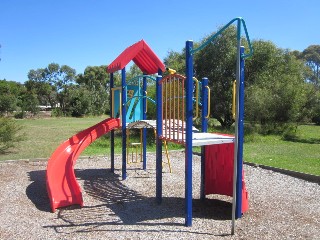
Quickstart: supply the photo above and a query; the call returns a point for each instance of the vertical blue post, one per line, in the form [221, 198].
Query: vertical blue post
[112, 131]
[123, 114]
[159, 141]
[189, 116]
[235, 196]
[144, 131]
[240, 137]
[204, 128]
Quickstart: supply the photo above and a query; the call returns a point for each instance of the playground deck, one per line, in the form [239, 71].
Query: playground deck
[198, 138]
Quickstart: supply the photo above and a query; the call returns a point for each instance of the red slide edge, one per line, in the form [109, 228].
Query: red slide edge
[62, 186]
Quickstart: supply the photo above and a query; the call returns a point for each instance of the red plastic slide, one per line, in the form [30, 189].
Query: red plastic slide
[62, 186]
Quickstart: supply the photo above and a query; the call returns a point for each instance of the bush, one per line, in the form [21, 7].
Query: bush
[316, 120]
[290, 132]
[20, 115]
[9, 134]
[57, 112]
[316, 115]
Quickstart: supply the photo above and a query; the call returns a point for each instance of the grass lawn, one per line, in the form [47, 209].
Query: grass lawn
[43, 136]
[302, 154]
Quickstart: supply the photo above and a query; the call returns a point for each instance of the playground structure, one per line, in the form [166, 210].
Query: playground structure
[176, 98]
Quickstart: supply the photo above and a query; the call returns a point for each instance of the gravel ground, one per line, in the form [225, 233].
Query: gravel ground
[281, 207]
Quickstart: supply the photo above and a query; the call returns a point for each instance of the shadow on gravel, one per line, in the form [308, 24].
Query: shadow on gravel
[37, 191]
[132, 207]
[120, 205]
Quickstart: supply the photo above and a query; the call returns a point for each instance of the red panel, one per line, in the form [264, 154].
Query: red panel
[219, 172]
[142, 56]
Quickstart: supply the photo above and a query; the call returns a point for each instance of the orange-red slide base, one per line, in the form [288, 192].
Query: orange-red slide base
[62, 186]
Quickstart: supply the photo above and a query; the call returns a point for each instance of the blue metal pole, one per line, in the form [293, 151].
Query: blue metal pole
[112, 131]
[123, 114]
[236, 137]
[204, 128]
[240, 137]
[144, 131]
[189, 116]
[159, 141]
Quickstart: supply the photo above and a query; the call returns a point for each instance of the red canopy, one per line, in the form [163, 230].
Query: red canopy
[142, 56]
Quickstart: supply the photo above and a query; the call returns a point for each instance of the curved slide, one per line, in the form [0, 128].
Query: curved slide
[62, 186]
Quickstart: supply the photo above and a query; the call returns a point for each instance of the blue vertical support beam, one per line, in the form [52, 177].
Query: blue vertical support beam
[236, 135]
[159, 141]
[123, 115]
[204, 128]
[144, 131]
[112, 131]
[240, 137]
[188, 146]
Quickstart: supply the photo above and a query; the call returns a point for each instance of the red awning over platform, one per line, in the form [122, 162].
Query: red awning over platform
[142, 55]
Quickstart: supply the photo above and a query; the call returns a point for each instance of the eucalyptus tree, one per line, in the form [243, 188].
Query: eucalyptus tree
[95, 81]
[52, 84]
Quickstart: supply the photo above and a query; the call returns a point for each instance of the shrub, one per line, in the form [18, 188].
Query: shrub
[57, 112]
[290, 132]
[20, 115]
[9, 134]
[316, 117]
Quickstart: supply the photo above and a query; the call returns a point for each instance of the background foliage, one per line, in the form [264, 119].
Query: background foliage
[282, 86]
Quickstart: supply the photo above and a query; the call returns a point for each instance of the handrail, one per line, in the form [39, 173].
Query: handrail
[234, 87]
[209, 100]
[240, 20]
[197, 97]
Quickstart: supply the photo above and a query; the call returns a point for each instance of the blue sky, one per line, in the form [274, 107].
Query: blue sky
[94, 32]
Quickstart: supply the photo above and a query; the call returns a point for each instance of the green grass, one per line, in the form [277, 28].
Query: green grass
[43, 136]
[302, 154]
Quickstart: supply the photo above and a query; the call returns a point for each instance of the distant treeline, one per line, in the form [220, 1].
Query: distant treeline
[281, 86]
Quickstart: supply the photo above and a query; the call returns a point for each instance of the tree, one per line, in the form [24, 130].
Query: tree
[176, 61]
[9, 92]
[79, 103]
[53, 83]
[133, 72]
[28, 102]
[9, 134]
[7, 104]
[217, 61]
[276, 92]
[46, 93]
[96, 80]
[312, 57]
